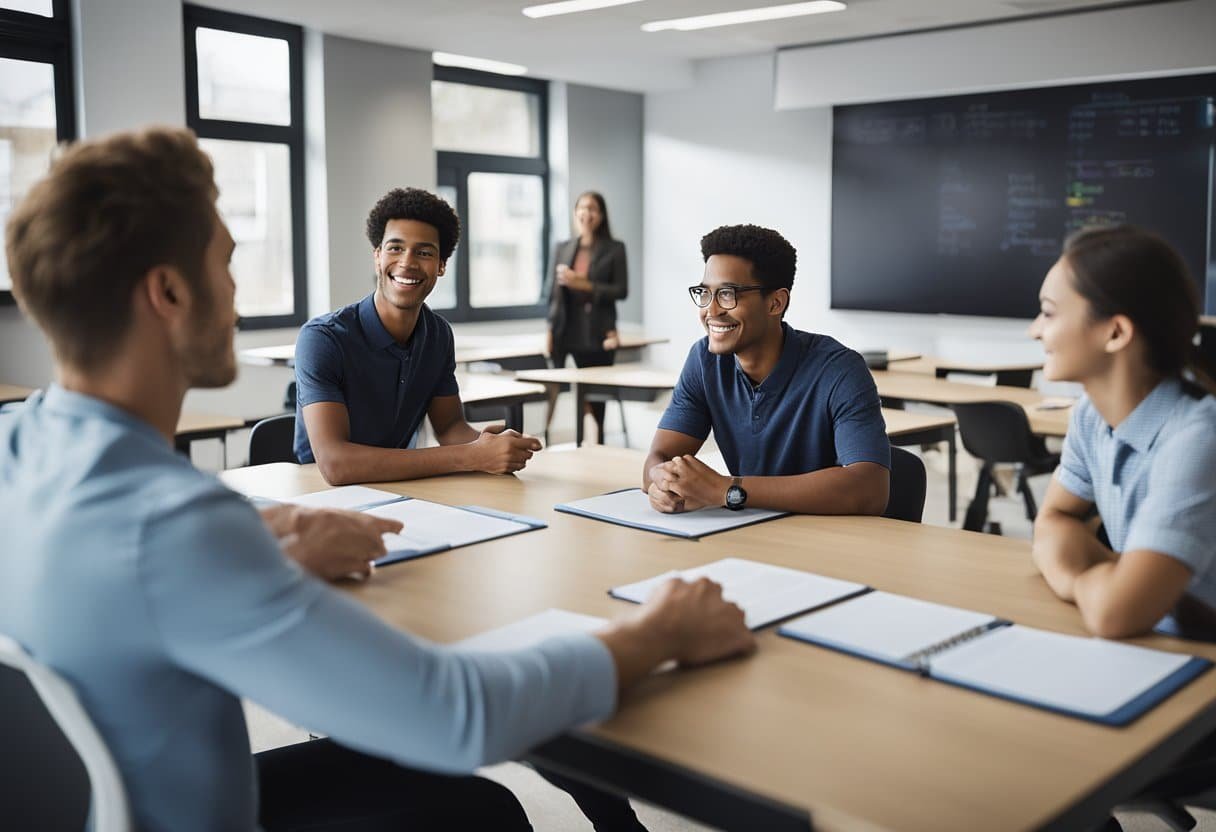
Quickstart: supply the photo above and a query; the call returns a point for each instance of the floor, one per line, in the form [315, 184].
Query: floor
[549, 809]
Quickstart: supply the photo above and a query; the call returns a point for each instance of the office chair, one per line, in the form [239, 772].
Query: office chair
[907, 495]
[998, 432]
[272, 440]
[55, 762]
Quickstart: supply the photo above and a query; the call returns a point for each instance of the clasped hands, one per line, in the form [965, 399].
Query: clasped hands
[685, 483]
[571, 279]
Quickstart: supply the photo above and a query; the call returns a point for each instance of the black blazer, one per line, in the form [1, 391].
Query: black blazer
[608, 272]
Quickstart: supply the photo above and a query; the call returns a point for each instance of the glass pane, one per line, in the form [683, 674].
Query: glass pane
[42, 7]
[243, 77]
[27, 134]
[255, 201]
[476, 119]
[506, 252]
[443, 296]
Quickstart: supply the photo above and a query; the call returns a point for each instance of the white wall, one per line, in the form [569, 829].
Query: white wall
[720, 153]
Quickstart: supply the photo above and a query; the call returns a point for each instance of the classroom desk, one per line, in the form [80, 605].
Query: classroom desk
[14, 393]
[917, 387]
[1008, 373]
[469, 349]
[792, 734]
[585, 381]
[905, 428]
[195, 426]
[490, 389]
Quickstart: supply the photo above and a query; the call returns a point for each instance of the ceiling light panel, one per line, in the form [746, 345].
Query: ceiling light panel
[573, 6]
[709, 21]
[483, 64]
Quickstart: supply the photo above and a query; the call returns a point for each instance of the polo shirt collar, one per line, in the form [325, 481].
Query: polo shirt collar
[373, 328]
[1143, 424]
[786, 364]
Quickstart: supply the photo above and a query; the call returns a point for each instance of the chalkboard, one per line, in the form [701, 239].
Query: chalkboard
[960, 205]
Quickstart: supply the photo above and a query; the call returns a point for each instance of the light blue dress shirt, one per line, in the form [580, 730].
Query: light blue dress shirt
[161, 596]
[1153, 478]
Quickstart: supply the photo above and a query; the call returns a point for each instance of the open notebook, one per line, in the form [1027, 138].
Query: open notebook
[1089, 678]
[631, 507]
[433, 527]
[764, 592]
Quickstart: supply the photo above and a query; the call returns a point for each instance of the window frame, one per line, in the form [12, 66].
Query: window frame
[292, 135]
[26, 36]
[453, 169]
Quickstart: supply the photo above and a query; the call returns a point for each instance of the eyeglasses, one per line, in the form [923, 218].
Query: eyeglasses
[727, 296]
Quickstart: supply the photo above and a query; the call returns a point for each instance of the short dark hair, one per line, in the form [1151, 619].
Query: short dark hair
[415, 204]
[772, 257]
[108, 212]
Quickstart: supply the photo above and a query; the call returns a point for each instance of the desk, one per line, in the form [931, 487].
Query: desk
[13, 393]
[195, 426]
[489, 389]
[587, 380]
[794, 732]
[904, 428]
[1008, 373]
[469, 348]
[915, 387]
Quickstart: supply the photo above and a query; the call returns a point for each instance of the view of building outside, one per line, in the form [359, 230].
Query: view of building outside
[506, 249]
[27, 134]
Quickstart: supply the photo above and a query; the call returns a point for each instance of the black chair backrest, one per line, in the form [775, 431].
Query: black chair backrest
[907, 496]
[42, 779]
[271, 440]
[998, 432]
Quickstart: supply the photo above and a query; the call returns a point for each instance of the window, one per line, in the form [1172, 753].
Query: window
[36, 109]
[491, 149]
[245, 100]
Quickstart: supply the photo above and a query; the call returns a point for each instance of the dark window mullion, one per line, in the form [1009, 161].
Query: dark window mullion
[245, 131]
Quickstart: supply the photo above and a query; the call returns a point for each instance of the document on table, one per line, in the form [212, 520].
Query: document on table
[352, 497]
[530, 631]
[631, 507]
[1090, 678]
[429, 527]
[764, 592]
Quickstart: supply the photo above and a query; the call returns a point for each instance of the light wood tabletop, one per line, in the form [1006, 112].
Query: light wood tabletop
[920, 387]
[903, 422]
[469, 348]
[793, 729]
[14, 393]
[616, 375]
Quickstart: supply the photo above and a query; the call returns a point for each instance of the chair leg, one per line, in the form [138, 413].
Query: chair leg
[1032, 509]
[977, 512]
[624, 423]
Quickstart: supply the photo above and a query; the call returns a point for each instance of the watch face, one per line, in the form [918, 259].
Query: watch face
[735, 496]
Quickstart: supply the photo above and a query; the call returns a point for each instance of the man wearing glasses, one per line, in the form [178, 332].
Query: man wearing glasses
[796, 415]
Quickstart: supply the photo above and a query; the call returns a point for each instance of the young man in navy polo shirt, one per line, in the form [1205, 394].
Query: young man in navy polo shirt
[368, 373]
[796, 415]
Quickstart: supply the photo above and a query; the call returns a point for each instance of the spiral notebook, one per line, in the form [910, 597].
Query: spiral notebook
[430, 528]
[1089, 678]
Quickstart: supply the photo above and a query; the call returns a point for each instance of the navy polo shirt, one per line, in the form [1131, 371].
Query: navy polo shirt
[348, 356]
[818, 408]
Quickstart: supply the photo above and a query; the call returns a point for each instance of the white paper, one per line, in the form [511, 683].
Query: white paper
[430, 525]
[346, 496]
[530, 631]
[764, 592]
[1087, 675]
[886, 626]
[633, 508]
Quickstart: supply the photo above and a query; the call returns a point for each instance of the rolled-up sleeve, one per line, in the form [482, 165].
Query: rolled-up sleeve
[688, 412]
[1075, 471]
[232, 609]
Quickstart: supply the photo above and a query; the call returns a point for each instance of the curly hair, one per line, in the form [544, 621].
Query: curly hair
[415, 204]
[772, 257]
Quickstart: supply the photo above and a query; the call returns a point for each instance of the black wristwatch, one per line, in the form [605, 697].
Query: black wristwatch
[736, 497]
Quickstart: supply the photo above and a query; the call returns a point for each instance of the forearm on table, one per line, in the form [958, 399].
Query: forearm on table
[837, 490]
[344, 463]
[459, 432]
[280, 519]
[1064, 547]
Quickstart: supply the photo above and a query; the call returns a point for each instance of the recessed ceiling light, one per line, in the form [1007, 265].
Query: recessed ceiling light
[708, 21]
[484, 64]
[572, 6]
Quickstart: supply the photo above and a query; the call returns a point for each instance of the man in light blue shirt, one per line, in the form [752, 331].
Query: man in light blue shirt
[163, 597]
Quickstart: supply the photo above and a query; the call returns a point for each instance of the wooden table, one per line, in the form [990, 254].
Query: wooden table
[469, 349]
[492, 390]
[793, 733]
[1008, 373]
[14, 393]
[904, 428]
[585, 381]
[916, 387]
[194, 426]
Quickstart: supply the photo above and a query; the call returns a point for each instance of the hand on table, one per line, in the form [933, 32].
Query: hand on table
[331, 543]
[702, 626]
[685, 483]
[503, 451]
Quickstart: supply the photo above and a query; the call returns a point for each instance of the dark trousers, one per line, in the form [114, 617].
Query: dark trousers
[587, 358]
[321, 786]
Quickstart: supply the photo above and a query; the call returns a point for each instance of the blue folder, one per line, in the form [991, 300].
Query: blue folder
[530, 524]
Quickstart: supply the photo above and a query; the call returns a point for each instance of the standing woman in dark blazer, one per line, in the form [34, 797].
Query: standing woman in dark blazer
[589, 276]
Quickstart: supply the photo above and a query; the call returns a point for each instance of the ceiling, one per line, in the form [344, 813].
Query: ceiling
[606, 47]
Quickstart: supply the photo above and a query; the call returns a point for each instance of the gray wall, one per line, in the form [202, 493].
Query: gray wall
[377, 136]
[604, 146]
